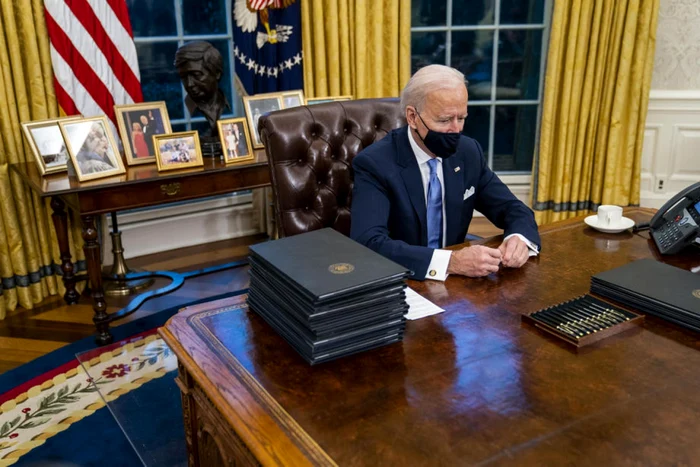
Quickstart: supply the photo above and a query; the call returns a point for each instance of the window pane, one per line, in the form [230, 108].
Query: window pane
[177, 127]
[522, 11]
[152, 18]
[427, 48]
[159, 78]
[428, 12]
[514, 142]
[470, 13]
[203, 16]
[519, 53]
[477, 125]
[472, 54]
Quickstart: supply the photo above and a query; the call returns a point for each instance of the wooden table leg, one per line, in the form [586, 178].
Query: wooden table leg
[60, 223]
[94, 267]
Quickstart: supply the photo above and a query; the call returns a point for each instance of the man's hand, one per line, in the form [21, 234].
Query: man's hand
[515, 252]
[474, 261]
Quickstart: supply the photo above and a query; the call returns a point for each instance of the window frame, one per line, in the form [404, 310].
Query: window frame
[511, 177]
[181, 38]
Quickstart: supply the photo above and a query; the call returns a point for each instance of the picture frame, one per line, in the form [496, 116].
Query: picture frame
[235, 140]
[47, 144]
[293, 99]
[323, 100]
[176, 151]
[137, 124]
[257, 106]
[92, 148]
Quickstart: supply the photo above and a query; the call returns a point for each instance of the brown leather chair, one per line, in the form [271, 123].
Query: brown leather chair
[310, 151]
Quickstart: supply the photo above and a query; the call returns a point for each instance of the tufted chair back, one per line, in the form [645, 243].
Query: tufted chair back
[310, 151]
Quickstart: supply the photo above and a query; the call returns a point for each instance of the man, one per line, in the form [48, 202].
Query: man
[148, 132]
[200, 67]
[416, 190]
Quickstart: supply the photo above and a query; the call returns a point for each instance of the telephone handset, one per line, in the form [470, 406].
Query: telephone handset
[677, 224]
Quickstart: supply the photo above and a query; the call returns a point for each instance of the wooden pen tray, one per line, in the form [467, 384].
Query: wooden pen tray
[583, 320]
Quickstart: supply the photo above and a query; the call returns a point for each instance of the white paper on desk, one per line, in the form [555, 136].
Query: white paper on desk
[418, 306]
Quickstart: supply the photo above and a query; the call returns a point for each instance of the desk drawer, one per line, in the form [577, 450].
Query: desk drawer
[192, 185]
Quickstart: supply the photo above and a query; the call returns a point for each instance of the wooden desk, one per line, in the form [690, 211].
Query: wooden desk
[140, 186]
[469, 386]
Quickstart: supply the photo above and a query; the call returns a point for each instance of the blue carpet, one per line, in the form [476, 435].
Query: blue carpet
[97, 440]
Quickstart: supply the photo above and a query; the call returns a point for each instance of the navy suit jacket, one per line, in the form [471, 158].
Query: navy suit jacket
[388, 201]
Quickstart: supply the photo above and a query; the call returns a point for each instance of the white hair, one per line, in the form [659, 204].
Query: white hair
[428, 79]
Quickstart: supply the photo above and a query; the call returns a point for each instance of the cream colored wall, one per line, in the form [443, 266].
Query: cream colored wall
[671, 153]
[677, 58]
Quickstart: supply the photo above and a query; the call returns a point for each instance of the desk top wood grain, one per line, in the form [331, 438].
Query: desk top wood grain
[472, 385]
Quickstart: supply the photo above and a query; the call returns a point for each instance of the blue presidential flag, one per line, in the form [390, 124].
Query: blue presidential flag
[267, 45]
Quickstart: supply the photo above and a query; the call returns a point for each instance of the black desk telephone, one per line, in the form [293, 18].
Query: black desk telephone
[677, 224]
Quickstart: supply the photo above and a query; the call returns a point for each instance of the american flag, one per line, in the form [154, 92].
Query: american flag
[260, 4]
[93, 55]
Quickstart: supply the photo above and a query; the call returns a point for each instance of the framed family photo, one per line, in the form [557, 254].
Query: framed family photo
[47, 144]
[235, 140]
[178, 151]
[138, 123]
[92, 148]
[292, 99]
[256, 107]
[323, 100]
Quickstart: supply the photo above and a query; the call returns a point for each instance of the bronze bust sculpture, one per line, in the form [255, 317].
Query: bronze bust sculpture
[200, 67]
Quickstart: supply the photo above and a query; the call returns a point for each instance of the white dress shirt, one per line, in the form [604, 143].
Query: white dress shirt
[437, 269]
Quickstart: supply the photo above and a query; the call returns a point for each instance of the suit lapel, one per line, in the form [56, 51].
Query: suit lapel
[410, 173]
[454, 189]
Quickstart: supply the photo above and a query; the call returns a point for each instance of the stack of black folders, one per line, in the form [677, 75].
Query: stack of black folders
[653, 287]
[327, 295]
[583, 320]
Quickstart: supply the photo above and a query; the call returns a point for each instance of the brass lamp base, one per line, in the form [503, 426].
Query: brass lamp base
[115, 282]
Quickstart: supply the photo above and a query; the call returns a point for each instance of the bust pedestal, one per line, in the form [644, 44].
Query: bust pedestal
[211, 146]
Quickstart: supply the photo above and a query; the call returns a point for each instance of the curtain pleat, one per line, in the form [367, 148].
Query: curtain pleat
[29, 254]
[597, 83]
[359, 48]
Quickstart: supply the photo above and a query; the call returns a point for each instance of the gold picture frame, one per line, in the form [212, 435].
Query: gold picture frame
[92, 148]
[235, 140]
[172, 155]
[47, 144]
[255, 107]
[293, 99]
[137, 124]
[323, 100]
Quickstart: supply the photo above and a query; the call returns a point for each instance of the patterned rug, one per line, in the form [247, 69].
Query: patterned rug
[52, 413]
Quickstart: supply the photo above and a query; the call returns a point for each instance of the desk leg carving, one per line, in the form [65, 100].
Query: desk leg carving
[94, 267]
[60, 223]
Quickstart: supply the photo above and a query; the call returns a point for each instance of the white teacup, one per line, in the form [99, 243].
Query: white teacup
[609, 214]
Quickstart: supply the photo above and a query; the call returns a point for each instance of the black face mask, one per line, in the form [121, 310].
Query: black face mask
[441, 144]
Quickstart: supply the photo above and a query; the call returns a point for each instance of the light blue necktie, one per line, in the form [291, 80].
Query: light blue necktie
[434, 207]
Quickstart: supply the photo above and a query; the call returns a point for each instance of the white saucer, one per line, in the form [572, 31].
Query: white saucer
[624, 224]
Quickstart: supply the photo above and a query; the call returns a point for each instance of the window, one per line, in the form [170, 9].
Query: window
[500, 47]
[160, 27]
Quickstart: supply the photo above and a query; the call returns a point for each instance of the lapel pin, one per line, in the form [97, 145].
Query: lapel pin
[457, 169]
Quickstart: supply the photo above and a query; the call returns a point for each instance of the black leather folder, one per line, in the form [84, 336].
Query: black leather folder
[324, 265]
[655, 288]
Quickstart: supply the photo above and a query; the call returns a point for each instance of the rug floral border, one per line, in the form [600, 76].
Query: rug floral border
[52, 406]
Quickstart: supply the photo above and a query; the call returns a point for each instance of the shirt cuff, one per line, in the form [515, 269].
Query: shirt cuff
[437, 269]
[534, 249]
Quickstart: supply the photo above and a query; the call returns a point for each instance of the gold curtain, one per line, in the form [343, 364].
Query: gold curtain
[356, 47]
[28, 248]
[596, 93]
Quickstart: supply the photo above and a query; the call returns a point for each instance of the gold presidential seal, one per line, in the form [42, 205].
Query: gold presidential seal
[696, 293]
[341, 268]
